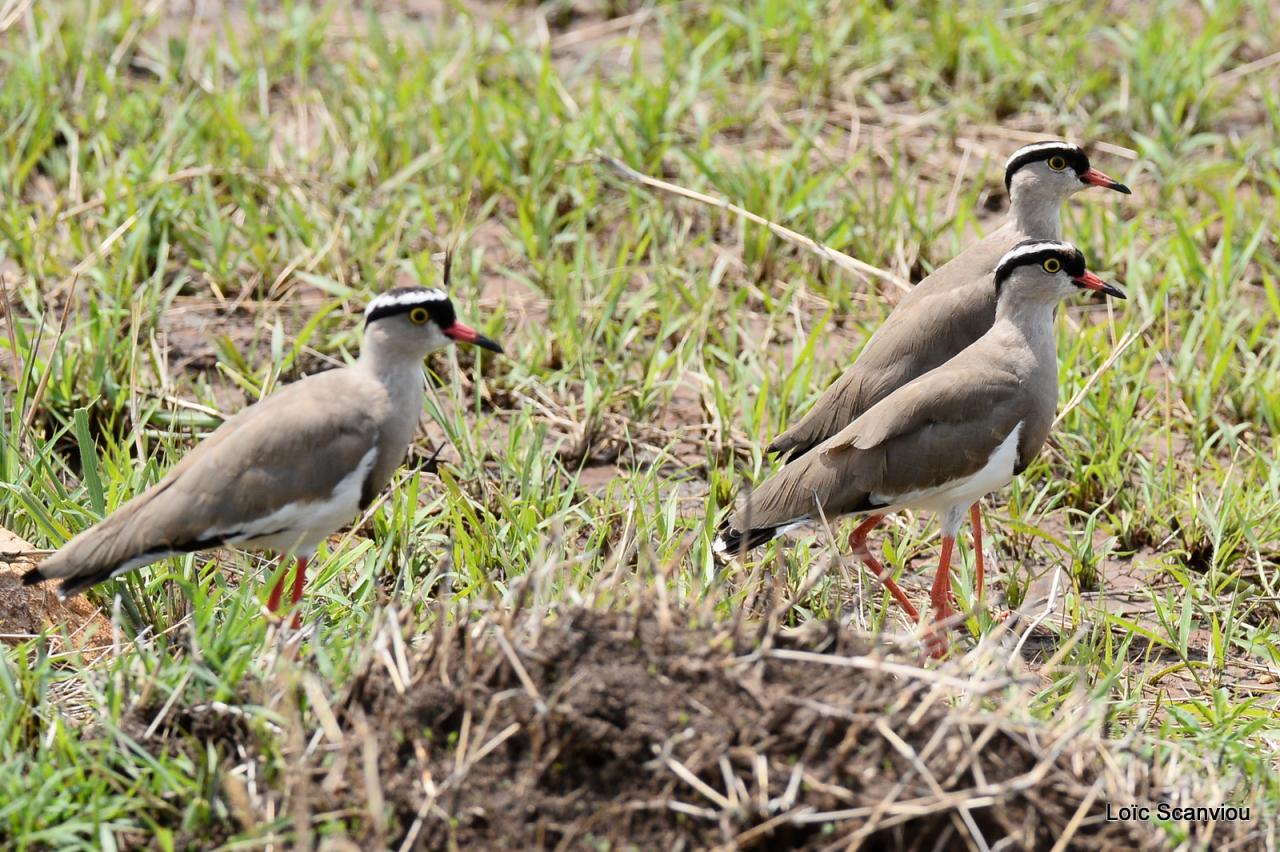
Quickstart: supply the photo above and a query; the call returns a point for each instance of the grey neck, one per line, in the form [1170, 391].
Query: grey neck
[1029, 322]
[394, 366]
[1036, 213]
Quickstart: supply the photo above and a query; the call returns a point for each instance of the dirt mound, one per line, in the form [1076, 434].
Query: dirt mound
[610, 730]
[25, 611]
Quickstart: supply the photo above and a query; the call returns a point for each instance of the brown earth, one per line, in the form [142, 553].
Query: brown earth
[607, 730]
[27, 611]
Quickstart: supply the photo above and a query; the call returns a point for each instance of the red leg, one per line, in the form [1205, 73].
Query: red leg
[975, 518]
[273, 601]
[858, 543]
[941, 594]
[936, 640]
[299, 581]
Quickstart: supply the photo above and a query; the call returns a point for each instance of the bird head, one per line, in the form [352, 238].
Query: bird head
[1053, 171]
[1047, 270]
[421, 319]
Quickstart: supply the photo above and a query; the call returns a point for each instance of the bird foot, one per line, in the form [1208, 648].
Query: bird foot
[943, 611]
[935, 642]
[277, 620]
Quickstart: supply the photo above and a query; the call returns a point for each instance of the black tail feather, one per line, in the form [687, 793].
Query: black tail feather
[789, 452]
[75, 584]
[70, 586]
[777, 448]
[730, 542]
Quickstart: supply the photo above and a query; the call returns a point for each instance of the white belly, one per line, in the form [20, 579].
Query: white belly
[299, 527]
[995, 474]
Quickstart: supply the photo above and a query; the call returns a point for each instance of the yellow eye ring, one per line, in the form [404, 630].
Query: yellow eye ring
[419, 316]
[1052, 265]
[1057, 163]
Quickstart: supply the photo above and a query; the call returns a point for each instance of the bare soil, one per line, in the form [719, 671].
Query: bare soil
[27, 611]
[607, 730]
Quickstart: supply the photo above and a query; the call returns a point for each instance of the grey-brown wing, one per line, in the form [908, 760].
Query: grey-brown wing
[812, 486]
[294, 446]
[940, 317]
[940, 427]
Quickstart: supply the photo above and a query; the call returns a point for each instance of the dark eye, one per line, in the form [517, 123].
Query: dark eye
[1057, 163]
[1052, 265]
[418, 316]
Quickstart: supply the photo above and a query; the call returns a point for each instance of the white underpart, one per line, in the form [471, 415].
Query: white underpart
[299, 527]
[1039, 146]
[421, 296]
[951, 498]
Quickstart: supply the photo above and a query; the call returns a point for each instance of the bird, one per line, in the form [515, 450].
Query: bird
[952, 307]
[287, 471]
[943, 440]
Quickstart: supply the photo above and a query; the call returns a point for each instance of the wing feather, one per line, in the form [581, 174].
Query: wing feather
[292, 447]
